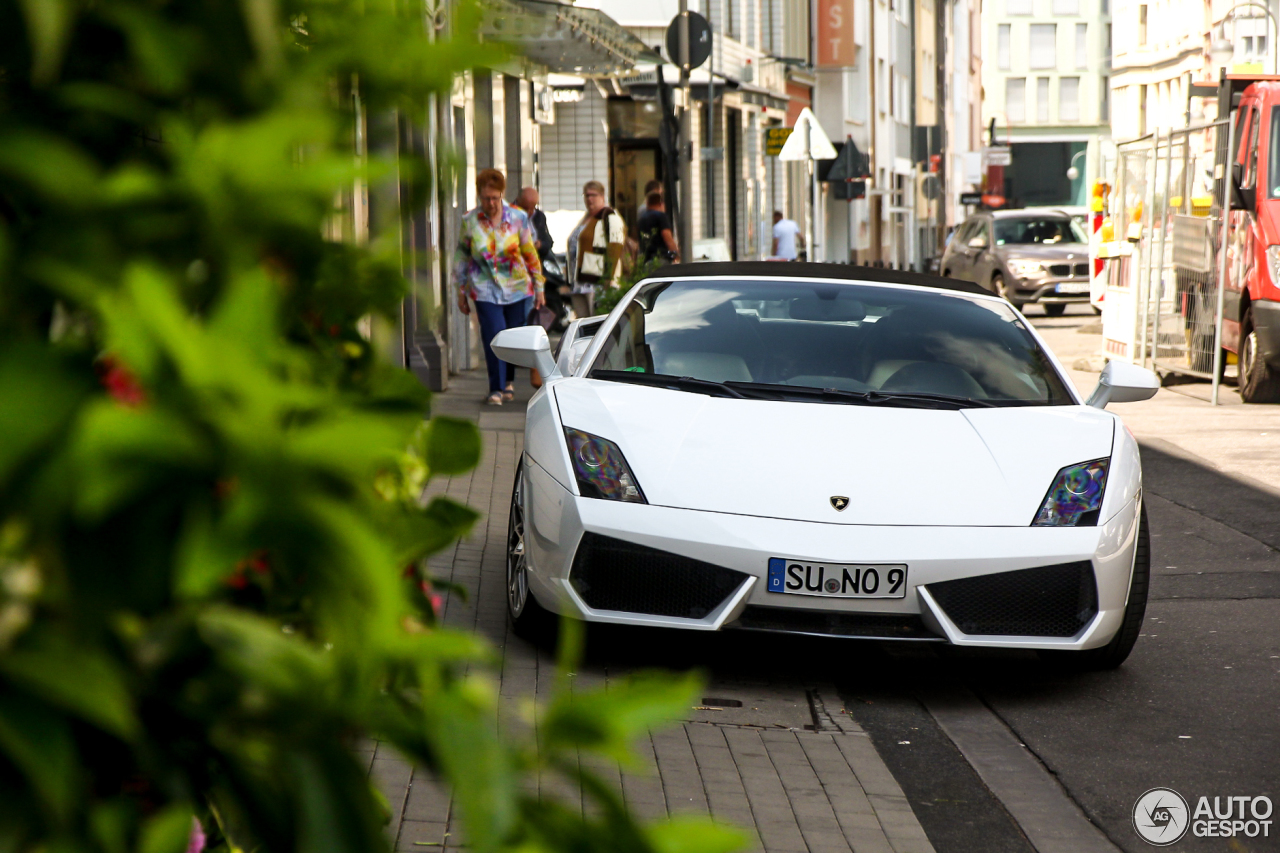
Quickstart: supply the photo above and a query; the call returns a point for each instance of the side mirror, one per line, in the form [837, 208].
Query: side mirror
[1122, 382]
[1242, 198]
[978, 243]
[526, 346]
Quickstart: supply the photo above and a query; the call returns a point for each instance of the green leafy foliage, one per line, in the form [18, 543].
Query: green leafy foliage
[607, 298]
[212, 538]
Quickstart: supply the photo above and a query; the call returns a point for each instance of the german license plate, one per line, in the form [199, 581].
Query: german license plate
[1074, 287]
[836, 580]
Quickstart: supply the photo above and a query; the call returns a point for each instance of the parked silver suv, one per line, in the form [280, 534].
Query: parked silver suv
[1025, 256]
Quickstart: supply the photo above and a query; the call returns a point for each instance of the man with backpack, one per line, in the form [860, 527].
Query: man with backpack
[656, 237]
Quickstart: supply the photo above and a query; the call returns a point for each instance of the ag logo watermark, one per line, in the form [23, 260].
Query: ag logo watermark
[1162, 817]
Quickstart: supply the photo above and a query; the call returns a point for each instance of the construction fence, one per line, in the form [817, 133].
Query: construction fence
[1163, 301]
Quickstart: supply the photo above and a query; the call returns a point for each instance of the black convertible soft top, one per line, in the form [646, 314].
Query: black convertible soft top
[794, 269]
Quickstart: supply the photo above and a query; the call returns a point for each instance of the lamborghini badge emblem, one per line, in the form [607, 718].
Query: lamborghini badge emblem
[839, 503]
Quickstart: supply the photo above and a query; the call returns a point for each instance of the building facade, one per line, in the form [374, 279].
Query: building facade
[1046, 80]
[1163, 47]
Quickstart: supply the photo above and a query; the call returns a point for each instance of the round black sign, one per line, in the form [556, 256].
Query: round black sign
[699, 40]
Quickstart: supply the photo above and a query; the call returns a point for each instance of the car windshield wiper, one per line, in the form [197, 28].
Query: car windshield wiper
[663, 380]
[957, 401]
[870, 398]
[772, 391]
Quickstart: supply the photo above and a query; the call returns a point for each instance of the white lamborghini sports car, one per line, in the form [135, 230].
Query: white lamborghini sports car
[827, 450]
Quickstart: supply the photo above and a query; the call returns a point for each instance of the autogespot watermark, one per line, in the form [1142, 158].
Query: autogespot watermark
[1162, 817]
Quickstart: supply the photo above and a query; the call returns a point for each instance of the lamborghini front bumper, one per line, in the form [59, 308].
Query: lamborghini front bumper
[1022, 587]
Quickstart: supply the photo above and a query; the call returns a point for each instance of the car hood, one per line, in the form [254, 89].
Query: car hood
[897, 466]
[1041, 252]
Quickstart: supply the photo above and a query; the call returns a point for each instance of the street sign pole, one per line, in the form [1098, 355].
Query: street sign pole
[812, 222]
[684, 227]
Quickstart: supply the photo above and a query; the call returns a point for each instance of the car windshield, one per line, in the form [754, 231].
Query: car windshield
[1041, 229]
[872, 339]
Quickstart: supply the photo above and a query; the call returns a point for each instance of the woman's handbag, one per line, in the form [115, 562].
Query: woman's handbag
[543, 317]
[595, 256]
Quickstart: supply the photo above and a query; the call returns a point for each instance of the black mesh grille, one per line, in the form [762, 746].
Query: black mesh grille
[1050, 601]
[1060, 270]
[834, 623]
[1080, 270]
[611, 574]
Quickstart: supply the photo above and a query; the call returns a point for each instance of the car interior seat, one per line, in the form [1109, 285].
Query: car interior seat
[712, 366]
[902, 340]
[933, 377]
[727, 344]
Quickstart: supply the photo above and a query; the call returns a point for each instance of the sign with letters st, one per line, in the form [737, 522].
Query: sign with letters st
[835, 34]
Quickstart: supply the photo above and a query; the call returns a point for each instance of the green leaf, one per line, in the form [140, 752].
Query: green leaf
[40, 745]
[79, 679]
[609, 720]
[262, 655]
[442, 523]
[688, 834]
[479, 768]
[48, 26]
[39, 397]
[338, 807]
[452, 445]
[123, 451]
[48, 164]
[167, 832]
[205, 555]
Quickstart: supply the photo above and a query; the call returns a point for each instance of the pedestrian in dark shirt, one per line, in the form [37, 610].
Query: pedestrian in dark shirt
[656, 237]
[528, 202]
[654, 186]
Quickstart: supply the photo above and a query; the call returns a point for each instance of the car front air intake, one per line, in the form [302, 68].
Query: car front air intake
[611, 574]
[1048, 601]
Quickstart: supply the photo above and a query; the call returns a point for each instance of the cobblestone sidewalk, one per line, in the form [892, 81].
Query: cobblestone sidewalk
[796, 774]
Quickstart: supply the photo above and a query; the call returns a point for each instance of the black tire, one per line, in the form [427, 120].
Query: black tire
[1259, 383]
[1055, 309]
[1115, 652]
[529, 619]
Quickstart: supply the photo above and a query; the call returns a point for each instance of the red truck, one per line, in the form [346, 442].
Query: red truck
[1251, 304]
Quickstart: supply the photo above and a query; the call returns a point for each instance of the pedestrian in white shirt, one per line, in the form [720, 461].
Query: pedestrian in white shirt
[786, 237]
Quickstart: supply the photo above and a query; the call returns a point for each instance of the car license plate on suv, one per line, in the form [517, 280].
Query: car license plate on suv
[836, 580]
[1073, 287]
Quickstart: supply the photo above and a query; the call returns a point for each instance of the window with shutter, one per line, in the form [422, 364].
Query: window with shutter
[1044, 46]
[1015, 99]
[1069, 99]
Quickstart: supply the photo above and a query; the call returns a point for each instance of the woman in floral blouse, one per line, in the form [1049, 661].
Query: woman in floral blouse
[496, 264]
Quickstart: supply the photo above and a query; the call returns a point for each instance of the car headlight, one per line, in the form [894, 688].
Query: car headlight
[601, 469]
[1075, 498]
[1026, 269]
[1273, 263]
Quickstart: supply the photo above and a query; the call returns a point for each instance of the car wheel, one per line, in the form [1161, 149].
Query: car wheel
[1055, 309]
[1258, 382]
[1115, 652]
[528, 618]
